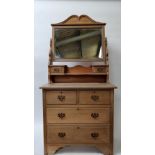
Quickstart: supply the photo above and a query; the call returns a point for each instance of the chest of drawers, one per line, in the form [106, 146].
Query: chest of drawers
[78, 114]
[78, 101]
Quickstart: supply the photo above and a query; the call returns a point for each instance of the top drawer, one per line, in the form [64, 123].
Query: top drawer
[61, 97]
[94, 97]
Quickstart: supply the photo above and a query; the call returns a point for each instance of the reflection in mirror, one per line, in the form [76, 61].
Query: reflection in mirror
[78, 43]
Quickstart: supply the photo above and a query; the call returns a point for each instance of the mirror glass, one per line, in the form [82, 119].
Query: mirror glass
[77, 43]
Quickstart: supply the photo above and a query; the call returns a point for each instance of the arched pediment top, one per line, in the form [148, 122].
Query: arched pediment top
[78, 20]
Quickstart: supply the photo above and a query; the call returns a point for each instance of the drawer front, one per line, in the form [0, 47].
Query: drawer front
[79, 115]
[94, 97]
[99, 69]
[78, 134]
[56, 69]
[61, 97]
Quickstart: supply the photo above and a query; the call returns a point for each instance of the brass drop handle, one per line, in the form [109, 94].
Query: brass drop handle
[61, 134]
[94, 135]
[94, 115]
[61, 98]
[95, 97]
[61, 115]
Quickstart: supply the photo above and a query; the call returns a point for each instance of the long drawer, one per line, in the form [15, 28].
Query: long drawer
[94, 97]
[78, 134]
[61, 97]
[78, 115]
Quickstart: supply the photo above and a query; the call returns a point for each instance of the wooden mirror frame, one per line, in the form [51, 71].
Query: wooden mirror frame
[75, 21]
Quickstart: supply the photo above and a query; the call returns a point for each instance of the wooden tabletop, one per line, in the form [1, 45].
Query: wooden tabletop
[78, 86]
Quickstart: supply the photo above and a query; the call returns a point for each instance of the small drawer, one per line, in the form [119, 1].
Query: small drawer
[94, 97]
[78, 134]
[99, 69]
[78, 115]
[56, 69]
[60, 97]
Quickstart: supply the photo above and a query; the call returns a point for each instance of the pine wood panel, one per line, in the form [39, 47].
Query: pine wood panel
[78, 115]
[78, 134]
[78, 78]
[79, 20]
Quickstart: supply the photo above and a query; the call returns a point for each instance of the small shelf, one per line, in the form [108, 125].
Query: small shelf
[79, 74]
[78, 60]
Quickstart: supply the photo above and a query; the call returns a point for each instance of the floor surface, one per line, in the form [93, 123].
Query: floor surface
[79, 151]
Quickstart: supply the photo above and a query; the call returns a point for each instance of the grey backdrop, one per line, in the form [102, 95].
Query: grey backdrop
[47, 12]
